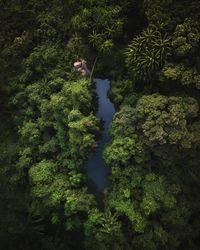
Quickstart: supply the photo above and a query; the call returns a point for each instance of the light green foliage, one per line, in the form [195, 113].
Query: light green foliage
[119, 89]
[82, 131]
[147, 195]
[42, 175]
[80, 97]
[77, 204]
[166, 119]
[137, 201]
[185, 44]
[55, 123]
[48, 127]
[53, 190]
[108, 223]
[180, 73]
[57, 133]
[147, 53]
[186, 38]
[124, 151]
[101, 24]
[62, 135]
[157, 127]
[148, 140]
[155, 189]
[102, 229]
[160, 119]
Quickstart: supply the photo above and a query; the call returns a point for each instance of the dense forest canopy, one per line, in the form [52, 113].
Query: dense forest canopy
[150, 50]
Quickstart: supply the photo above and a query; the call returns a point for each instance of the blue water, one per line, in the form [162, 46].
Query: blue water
[96, 169]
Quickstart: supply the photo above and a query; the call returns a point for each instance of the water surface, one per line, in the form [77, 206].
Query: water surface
[96, 169]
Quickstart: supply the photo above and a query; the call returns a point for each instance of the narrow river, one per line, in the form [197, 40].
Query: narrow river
[96, 169]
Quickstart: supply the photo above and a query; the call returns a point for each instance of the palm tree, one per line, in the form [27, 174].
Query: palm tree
[147, 53]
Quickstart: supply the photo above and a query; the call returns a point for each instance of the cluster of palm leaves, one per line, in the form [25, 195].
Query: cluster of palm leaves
[147, 53]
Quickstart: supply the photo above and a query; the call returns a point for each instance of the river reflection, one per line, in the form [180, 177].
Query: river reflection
[96, 169]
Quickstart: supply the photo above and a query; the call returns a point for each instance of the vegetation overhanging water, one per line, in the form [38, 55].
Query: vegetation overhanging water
[49, 126]
[96, 169]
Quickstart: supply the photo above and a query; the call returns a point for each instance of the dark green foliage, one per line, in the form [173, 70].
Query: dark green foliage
[182, 74]
[56, 135]
[166, 14]
[48, 127]
[56, 131]
[185, 44]
[100, 23]
[149, 140]
[102, 230]
[146, 54]
[155, 138]
[186, 38]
